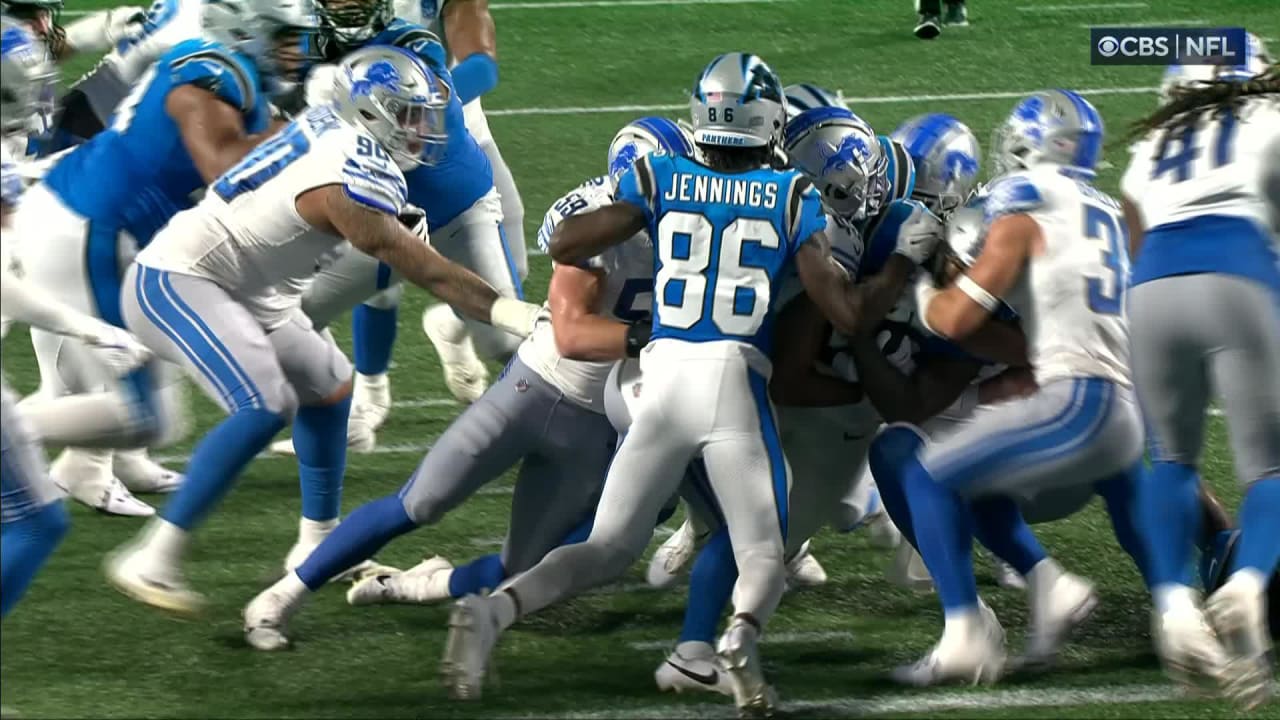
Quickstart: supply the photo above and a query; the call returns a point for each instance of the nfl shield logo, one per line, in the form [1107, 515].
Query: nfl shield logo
[522, 385]
[635, 390]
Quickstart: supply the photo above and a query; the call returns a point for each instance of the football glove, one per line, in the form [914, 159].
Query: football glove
[119, 350]
[919, 235]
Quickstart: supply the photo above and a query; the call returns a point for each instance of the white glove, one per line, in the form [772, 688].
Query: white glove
[101, 30]
[117, 348]
[919, 235]
[514, 316]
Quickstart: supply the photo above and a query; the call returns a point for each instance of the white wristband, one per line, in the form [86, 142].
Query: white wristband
[925, 293]
[977, 293]
[514, 316]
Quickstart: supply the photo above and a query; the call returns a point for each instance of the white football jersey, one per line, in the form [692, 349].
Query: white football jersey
[10, 190]
[246, 234]
[1071, 295]
[627, 295]
[1218, 168]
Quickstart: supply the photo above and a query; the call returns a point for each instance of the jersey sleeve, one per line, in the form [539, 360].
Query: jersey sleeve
[214, 69]
[588, 196]
[1012, 195]
[1134, 181]
[372, 181]
[638, 185]
[805, 215]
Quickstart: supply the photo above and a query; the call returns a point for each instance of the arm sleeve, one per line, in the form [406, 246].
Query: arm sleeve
[475, 76]
[808, 217]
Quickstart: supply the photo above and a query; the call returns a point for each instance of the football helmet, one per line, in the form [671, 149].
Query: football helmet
[641, 137]
[282, 36]
[804, 96]
[42, 18]
[737, 102]
[27, 77]
[1053, 126]
[398, 99]
[1256, 61]
[844, 159]
[945, 154]
[355, 22]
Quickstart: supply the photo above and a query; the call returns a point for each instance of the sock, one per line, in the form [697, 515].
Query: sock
[320, 441]
[217, 462]
[711, 584]
[356, 539]
[1169, 596]
[506, 609]
[164, 542]
[943, 531]
[888, 457]
[373, 332]
[480, 574]
[1168, 520]
[999, 526]
[25, 545]
[1119, 493]
[291, 587]
[1259, 545]
[1042, 577]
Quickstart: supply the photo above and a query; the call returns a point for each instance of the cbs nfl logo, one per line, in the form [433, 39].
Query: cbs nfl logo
[1167, 46]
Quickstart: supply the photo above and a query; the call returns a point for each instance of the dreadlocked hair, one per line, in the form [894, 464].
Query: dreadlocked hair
[1187, 105]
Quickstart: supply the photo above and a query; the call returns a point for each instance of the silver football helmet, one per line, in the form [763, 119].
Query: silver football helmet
[282, 36]
[945, 154]
[398, 99]
[1256, 61]
[840, 154]
[643, 136]
[1053, 126]
[803, 96]
[27, 77]
[737, 102]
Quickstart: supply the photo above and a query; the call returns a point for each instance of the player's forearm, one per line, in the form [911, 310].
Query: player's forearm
[581, 237]
[813, 389]
[999, 342]
[26, 302]
[861, 306]
[467, 292]
[892, 392]
[590, 337]
[953, 315]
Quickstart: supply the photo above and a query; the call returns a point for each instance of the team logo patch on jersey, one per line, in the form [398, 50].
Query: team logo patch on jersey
[380, 74]
[635, 390]
[522, 385]
[838, 158]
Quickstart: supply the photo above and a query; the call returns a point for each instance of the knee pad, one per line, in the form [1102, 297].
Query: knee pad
[388, 299]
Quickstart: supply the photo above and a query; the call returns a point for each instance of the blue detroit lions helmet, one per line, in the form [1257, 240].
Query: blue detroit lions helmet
[841, 155]
[804, 96]
[945, 154]
[1052, 126]
[641, 137]
[27, 78]
[1255, 62]
[737, 101]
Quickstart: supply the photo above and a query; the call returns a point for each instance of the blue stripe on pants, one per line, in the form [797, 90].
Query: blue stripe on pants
[511, 263]
[201, 346]
[769, 432]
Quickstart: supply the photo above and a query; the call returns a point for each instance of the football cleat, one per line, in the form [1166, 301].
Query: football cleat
[80, 475]
[141, 474]
[957, 15]
[1237, 612]
[466, 377]
[371, 399]
[1188, 648]
[265, 621]
[804, 570]
[473, 633]
[424, 583]
[131, 572]
[906, 569]
[929, 27]
[739, 653]
[975, 655]
[693, 666]
[1055, 613]
[1007, 577]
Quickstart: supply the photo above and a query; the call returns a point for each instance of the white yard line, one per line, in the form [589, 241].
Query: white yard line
[424, 403]
[853, 101]
[1082, 7]
[917, 702]
[772, 638]
[1181, 22]
[620, 3]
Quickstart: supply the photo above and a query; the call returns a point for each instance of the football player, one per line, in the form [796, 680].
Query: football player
[706, 370]
[204, 294]
[546, 409]
[1200, 200]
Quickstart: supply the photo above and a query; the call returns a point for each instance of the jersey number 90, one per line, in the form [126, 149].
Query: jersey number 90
[740, 293]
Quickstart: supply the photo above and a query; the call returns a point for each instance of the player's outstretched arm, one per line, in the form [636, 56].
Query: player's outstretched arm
[581, 333]
[853, 308]
[800, 335]
[963, 306]
[212, 130]
[581, 237]
[382, 236]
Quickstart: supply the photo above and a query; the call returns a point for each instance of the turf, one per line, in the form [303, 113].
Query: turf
[75, 648]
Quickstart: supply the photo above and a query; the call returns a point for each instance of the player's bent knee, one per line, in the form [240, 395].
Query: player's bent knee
[891, 449]
[283, 401]
[388, 299]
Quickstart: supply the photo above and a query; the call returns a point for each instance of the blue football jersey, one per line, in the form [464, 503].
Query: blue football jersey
[722, 244]
[463, 175]
[137, 174]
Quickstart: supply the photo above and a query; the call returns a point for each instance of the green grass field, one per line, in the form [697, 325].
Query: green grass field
[75, 648]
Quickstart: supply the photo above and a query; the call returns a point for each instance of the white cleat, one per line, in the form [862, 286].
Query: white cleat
[693, 666]
[1054, 616]
[739, 654]
[371, 398]
[465, 375]
[141, 474]
[907, 570]
[265, 620]
[1237, 612]
[672, 555]
[300, 551]
[804, 570]
[423, 584]
[972, 657]
[361, 436]
[1007, 577]
[1189, 649]
[473, 633]
[882, 532]
[131, 572]
[103, 493]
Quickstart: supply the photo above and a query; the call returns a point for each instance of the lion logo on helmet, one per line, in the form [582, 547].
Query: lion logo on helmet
[851, 151]
[380, 74]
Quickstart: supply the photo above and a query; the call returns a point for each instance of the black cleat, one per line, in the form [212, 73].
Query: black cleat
[929, 27]
[956, 16]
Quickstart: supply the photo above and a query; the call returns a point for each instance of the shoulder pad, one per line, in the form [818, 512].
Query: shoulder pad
[1011, 195]
[369, 176]
[211, 66]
